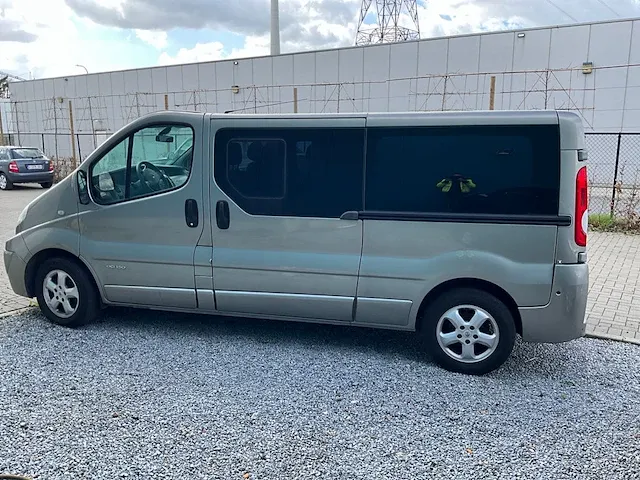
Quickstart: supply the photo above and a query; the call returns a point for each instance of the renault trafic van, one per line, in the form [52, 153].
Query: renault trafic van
[469, 228]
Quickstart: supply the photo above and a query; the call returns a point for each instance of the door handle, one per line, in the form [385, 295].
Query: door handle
[222, 214]
[350, 215]
[191, 212]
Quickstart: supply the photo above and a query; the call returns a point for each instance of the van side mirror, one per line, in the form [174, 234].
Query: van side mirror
[83, 189]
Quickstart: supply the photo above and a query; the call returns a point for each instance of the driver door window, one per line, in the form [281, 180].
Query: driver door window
[153, 163]
[108, 175]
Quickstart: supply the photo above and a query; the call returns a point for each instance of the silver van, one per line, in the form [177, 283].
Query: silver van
[469, 228]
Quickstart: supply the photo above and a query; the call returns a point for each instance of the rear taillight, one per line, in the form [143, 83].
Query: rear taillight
[13, 167]
[50, 166]
[581, 219]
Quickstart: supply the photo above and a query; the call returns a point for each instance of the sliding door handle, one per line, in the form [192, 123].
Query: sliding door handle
[222, 214]
[350, 215]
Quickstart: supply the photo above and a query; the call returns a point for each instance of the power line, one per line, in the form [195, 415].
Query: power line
[563, 11]
[606, 5]
[15, 77]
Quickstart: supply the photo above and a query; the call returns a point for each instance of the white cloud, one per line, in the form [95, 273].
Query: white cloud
[48, 37]
[211, 51]
[201, 52]
[156, 39]
[51, 22]
[254, 46]
[63, 40]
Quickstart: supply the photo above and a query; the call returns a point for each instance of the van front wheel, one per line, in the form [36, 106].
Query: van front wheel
[65, 292]
[468, 331]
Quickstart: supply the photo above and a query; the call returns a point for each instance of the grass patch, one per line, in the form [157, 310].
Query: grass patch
[606, 223]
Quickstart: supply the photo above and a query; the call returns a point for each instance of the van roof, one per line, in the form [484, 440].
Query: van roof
[492, 116]
[517, 116]
[513, 114]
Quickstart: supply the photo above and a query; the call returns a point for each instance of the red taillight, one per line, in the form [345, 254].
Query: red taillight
[50, 166]
[581, 219]
[13, 167]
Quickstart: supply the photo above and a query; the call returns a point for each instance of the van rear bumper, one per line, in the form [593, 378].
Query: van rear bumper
[563, 318]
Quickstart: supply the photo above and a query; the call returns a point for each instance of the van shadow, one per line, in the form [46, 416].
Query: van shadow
[283, 333]
[528, 361]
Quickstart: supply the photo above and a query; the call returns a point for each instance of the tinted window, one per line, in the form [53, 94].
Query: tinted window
[483, 169]
[291, 172]
[256, 167]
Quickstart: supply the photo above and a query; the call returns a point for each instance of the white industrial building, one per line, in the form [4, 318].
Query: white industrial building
[590, 68]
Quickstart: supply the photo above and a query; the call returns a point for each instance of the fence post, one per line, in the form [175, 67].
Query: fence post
[615, 176]
[492, 93]
[1, 129]
[43, 151]
[295, 100]
[79, 151]
[73, 140]
[444, 92]
[15, 105]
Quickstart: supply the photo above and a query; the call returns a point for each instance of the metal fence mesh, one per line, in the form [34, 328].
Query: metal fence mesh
[614, 174]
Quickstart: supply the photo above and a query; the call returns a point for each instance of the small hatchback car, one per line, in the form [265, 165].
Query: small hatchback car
[24, 165]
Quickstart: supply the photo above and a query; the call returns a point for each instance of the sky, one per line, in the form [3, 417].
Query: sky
[44, 38]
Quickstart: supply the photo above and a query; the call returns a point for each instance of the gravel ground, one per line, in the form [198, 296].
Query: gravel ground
[154, 395]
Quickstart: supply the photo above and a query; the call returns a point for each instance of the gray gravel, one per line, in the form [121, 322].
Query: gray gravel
[149, 395]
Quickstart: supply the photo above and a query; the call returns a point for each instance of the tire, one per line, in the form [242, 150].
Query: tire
[450, 338]
[5, 183]
[81, 305]
[46, 184]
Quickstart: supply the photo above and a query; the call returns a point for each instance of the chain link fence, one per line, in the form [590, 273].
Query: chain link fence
[614, 174]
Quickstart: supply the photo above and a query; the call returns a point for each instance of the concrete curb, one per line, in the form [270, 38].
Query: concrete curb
[17, 311]
[615, 338]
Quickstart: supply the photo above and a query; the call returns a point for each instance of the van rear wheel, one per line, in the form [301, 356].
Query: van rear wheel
[65, 292]
[468, 331]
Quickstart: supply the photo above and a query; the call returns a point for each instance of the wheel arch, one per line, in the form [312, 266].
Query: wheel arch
[43, 255]
[478, 284]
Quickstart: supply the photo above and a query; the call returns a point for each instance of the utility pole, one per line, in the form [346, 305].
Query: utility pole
[275, 28]
[387, 27]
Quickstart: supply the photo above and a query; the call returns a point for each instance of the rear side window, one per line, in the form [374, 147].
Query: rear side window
[509, 170]
[18, 153]
[291, 172]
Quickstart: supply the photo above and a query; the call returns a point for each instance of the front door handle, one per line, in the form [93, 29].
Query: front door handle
[191, 212]
[222, 214]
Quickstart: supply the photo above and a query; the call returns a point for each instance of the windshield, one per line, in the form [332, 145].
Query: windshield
[26, 153]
